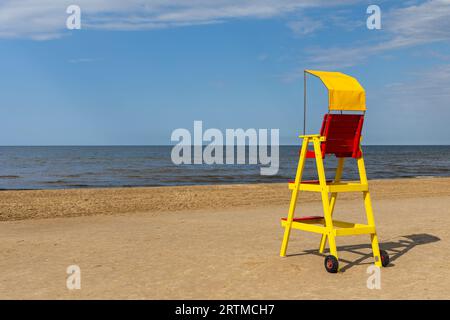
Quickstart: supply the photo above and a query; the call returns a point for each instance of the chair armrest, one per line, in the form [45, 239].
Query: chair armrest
[312, 136]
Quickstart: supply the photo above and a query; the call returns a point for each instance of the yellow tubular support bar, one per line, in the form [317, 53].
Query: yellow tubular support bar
[298, 178]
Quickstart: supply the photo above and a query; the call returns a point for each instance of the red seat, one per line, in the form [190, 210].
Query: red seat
[342, 134]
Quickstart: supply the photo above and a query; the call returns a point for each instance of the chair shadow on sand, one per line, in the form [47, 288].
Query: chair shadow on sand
[396, 249]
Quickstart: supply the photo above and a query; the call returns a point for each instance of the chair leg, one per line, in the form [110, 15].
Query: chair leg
[371, 221]
[337, 178]
[376, 249]
[290, 217]
[288, 227]
[329, 225]
[323, 243]
[332, 241]
[369, 212]
[323, 240]
[326, 202]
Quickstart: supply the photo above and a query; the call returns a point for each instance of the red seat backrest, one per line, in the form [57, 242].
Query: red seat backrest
[343, 135]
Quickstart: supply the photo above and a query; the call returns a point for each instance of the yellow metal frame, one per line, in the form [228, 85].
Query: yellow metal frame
[326, 226]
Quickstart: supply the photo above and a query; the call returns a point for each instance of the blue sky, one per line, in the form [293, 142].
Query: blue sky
[137, 70]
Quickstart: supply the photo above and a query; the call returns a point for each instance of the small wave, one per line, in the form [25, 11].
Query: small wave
[71, 176]
[9, 177]
[425, 177]
[78, 175]
[67, 184]
[55, 182]
[76, 185]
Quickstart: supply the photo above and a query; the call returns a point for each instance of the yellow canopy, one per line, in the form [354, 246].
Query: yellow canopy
[344, 92]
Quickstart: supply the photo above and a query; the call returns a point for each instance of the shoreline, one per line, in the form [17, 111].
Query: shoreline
[51, 203]
[206, 184]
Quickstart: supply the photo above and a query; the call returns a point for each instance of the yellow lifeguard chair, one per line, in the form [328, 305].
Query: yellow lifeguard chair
[340, 135]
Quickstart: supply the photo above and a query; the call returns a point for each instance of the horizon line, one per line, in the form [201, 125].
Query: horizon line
[172, 145]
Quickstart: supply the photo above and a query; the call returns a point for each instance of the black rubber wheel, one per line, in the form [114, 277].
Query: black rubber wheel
[331, 264]
[384, 258]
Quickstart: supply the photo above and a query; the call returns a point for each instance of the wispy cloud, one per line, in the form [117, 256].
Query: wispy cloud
[305, 26]
[263, 57]
[45, 19]
[81, 60]
[418, 24]
[429, 89]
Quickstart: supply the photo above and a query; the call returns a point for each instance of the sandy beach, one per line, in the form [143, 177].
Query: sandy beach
[218, 242]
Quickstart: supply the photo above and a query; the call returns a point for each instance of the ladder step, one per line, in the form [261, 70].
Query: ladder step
[309, 181]
[340, 228]
[332, 186]
[304, 218]
[348, 187]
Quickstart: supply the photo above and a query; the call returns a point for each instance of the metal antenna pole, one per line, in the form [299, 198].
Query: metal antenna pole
[304, 103]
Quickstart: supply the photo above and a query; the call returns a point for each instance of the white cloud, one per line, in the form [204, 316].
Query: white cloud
[418, 24]
[305, 26]
[429, 89]
[45, 19]
[415, 109]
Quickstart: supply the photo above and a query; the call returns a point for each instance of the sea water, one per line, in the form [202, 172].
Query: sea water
[129, 166]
